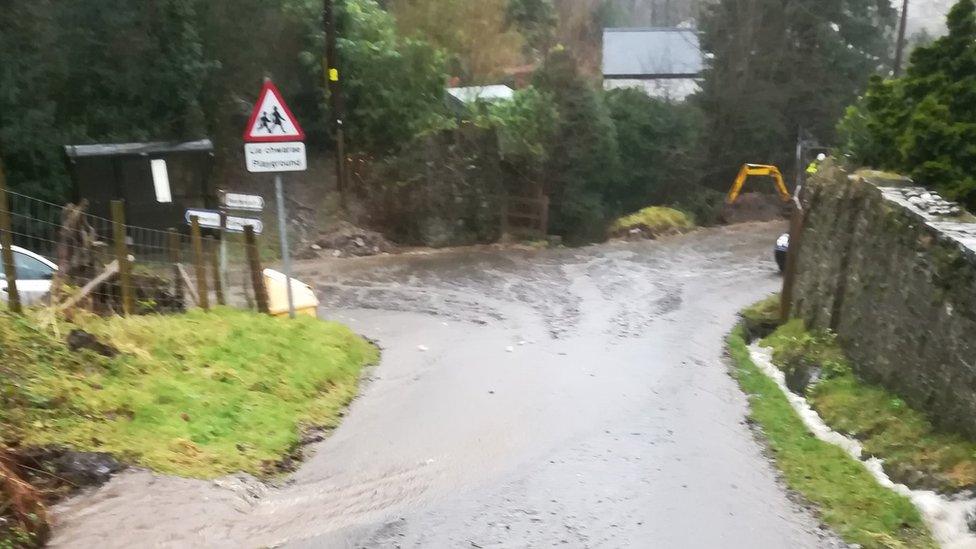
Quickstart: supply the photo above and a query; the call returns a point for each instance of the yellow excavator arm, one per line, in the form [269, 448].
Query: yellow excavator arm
[757, 170]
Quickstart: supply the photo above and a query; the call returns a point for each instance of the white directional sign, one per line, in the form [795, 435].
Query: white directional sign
[210, 219]
[271, 120]
[244, 202]
[275, 157]
[236, 224]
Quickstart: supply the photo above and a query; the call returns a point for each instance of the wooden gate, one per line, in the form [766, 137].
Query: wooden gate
[525, 216]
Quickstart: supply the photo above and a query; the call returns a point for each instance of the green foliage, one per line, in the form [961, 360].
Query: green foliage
[913, 451]
[778, 66]
[74, 72]
[395, 85]
[536, 20]
[114, 70]
[794, 347]
[848, 498]
[242, 63]
[925, 123]
[476, 36]
[762, 318]
[584, 159]
[657, 142]
[526, 126]
[195, 395]
[703, 203]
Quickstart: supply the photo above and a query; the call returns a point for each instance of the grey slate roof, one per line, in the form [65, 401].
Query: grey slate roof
[651, 53]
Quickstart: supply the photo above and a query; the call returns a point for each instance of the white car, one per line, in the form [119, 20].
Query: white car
[34, 275]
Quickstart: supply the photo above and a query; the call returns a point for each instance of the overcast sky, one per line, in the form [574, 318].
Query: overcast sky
[927, 14]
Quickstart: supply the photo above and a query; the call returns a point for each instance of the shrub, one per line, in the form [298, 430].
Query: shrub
[657, 141]
[654, 221]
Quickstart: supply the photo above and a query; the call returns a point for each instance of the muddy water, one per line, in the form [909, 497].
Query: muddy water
[525, 398]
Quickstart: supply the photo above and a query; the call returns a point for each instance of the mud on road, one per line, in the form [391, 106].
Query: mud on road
[525, 398]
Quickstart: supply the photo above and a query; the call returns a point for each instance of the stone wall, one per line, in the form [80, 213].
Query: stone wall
[894, 275]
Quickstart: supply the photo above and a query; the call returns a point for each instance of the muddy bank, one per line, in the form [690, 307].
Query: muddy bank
[525, 398]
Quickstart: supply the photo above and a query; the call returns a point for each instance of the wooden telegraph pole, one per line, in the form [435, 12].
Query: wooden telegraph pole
[336, 100]
[6, 242]
[900, 46]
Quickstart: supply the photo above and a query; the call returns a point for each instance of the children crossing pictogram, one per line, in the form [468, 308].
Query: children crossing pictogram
[272, 120]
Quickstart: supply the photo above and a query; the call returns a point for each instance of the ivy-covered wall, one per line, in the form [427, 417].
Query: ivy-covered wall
[895, 278]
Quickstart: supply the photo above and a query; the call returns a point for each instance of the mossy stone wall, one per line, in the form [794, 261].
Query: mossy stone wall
[897, 285]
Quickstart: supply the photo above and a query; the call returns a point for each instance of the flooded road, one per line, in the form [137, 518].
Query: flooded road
[525, 398]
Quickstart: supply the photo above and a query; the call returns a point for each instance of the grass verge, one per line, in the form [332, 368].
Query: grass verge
[198, 395]
[654, 221]
[914, 451]
[849, 499]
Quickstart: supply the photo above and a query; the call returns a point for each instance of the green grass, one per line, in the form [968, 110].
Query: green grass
[761, 318]
[914, 452]
[198, 395]
[659, 220]
[849, 499]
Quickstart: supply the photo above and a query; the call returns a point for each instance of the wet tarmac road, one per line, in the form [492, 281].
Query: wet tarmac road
[525, 399]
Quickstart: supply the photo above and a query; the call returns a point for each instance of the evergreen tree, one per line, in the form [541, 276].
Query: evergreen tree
[657, 141]
[925, 123]
[100, 70]
[583, 159]
[780, 65]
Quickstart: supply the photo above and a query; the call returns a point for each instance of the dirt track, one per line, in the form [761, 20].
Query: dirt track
[525, 398]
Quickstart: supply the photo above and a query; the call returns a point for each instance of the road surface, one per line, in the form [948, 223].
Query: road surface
[525, 399]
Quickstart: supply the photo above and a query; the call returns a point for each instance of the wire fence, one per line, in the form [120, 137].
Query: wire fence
[65, 257]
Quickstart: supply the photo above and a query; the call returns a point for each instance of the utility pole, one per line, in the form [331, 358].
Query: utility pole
[336, 101]
[900, 46]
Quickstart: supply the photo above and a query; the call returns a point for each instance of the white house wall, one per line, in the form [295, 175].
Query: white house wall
[673, 89]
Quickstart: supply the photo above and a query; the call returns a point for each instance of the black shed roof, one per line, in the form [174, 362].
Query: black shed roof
[137, 149]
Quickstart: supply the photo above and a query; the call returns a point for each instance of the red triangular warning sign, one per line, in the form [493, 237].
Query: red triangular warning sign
[272, 120]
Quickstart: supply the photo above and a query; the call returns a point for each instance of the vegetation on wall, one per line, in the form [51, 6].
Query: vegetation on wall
[925, 123]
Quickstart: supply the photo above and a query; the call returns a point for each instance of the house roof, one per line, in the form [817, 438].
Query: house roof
[483, 93]
[651, 53]
[133, 149]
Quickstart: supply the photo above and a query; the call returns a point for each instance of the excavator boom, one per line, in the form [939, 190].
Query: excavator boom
[749, 170]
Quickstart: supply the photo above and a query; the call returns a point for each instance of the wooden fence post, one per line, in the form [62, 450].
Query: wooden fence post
[257, 274]
[215, 266]
[175, 258]
[544, 215]
[122, 256]
[6, 242]
[789, 272]
[203, 292]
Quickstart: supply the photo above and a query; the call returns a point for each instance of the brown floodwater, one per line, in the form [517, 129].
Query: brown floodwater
[525, 398]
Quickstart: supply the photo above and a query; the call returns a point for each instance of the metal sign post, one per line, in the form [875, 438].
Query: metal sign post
[222, 262]
[285, 255]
